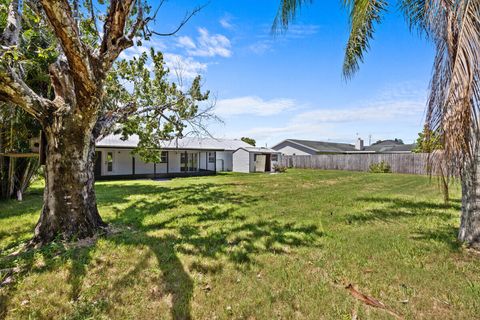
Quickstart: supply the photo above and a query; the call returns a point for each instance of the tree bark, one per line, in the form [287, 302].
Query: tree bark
[70, 208]
[469, 231]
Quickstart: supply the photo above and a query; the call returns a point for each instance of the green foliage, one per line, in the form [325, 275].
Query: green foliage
[381, 167]
[248, 140]
[160, 109]
[428, 141]
[34, 55]
[279, 168]
[364, 15]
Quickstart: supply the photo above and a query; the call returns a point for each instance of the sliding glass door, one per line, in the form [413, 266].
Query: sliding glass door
[189, 162]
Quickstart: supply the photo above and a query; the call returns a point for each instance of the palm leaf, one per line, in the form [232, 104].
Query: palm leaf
[454, 99]
[364, 14]
[287, 11]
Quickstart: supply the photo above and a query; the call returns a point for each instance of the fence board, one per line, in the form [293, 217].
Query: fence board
[411, 163]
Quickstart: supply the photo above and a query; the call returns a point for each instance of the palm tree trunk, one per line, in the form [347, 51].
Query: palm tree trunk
[469, 231]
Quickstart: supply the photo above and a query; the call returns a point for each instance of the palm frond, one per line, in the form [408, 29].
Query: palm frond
[364, 14]
[287, 12]
[416, 13]
[454, 99]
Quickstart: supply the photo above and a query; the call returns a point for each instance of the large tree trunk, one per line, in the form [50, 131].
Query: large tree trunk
[70, 208]
[470, 220]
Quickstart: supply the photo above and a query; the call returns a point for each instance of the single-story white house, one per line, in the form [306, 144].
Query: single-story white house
[180, 157]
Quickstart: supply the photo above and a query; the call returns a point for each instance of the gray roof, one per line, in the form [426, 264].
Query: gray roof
[321, 146]
[258, 150]
[189, 143]
[390, 146]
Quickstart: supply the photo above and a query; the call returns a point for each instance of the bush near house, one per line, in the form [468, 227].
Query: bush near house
[381, 167]
[279, 168]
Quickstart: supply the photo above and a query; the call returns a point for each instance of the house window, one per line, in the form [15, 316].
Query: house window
[164, 157]
[109, 161]
[211, 157]
[274, 157]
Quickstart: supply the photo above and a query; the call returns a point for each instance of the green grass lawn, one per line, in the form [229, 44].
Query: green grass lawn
[250, 246]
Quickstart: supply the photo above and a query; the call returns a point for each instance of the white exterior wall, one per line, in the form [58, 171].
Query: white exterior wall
[242, 160]
[224, 161]
[252, 162]
[142, 167]
[289, 151]
[122, 162]
[161, 168]
[174, 161]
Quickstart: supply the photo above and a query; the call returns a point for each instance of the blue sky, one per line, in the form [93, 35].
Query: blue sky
[290, 86]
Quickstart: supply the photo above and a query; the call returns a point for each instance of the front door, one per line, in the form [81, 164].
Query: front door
[260, 160]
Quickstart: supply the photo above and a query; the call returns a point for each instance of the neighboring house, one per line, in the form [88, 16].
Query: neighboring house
[309, 147]
[179, 157]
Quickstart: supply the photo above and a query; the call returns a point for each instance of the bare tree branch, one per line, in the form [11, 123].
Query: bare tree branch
[92, 17]
[187, 17]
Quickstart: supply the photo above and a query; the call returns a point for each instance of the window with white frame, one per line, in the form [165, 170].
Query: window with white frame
[211, 157]
[164, 157]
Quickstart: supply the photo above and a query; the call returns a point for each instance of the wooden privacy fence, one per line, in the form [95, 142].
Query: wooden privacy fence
[412, 163]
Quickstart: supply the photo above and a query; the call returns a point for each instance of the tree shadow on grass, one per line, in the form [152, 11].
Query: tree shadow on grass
[201, 221]
[392, 209]
[444, 234]
[211, 230]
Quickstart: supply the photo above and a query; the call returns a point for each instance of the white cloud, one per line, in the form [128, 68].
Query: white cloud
[226, 23]
[298, 31]
[206, 45]
[136, 51]
[261, 47]
[396, 112]
[265, 41]
[184, 67]
[186, 42]
[251, 105]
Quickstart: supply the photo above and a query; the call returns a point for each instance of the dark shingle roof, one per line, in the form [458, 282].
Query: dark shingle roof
[390, 146]
[321, 146]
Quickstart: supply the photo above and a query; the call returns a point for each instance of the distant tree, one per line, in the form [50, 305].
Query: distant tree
[250, 141]
[429, 141]
[400, 141]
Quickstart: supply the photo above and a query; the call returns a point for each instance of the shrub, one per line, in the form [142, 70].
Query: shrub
[279, 168]
[381, 167]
